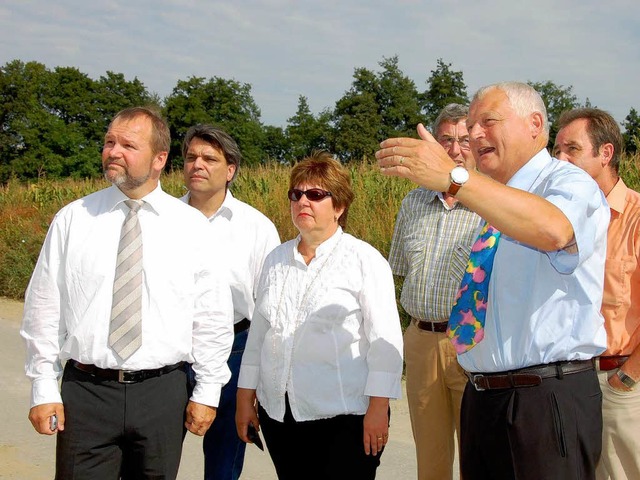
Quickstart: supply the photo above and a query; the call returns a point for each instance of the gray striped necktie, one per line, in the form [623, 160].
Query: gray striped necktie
[125, 330]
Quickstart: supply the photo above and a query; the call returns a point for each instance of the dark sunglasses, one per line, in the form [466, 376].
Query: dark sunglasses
[313, 194]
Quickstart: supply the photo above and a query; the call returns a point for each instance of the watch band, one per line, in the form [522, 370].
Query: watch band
[626, 379]
[453, 188]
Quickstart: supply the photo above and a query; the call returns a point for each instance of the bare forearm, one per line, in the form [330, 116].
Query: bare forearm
[526, 217]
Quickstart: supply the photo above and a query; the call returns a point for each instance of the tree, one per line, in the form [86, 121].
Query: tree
[27, 124]
[227, 104]
[631, 133]
[378, 106]
[357, 120]
[306, 133]
[398, 101]
[445, 86]
[53, 122]
[557, 99]
[276, 145]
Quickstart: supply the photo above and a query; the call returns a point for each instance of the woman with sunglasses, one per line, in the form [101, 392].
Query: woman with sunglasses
[324, 353]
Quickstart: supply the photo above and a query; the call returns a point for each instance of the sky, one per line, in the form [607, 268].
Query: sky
[288, 48]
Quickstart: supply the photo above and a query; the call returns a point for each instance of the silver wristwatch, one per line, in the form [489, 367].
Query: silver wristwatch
[626, 379]
[458, 177]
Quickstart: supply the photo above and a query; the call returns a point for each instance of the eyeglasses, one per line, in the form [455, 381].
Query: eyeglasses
[447, 142]
[313, 194]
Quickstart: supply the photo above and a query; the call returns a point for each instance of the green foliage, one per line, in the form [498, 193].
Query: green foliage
[276, 145]
[377, 106]
[227, 104]
[52, 122]
[445, 86]
[557, 99]
[631, 134]
[306, 133]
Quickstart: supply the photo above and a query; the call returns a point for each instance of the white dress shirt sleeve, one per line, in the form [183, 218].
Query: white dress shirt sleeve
[42, 329]
[382, 328]
[212, 327]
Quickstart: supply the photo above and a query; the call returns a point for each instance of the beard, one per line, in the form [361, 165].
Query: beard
[124, 181]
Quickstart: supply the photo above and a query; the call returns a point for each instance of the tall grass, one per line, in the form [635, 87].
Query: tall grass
[26, 210]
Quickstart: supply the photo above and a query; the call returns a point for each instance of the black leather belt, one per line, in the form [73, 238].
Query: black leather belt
[241, 326]
[123, 376]
[528, 376]
[437, 327]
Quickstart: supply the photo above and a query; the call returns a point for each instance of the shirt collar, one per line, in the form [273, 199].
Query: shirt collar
[323, 248]
[225, 210]
[153, 200]
[525, 178]
[617, 196]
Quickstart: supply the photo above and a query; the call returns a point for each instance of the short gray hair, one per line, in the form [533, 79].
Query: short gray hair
[524, 99]
[452, 113]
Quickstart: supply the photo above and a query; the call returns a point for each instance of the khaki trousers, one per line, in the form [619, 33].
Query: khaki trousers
[435, 384]
[620, 459]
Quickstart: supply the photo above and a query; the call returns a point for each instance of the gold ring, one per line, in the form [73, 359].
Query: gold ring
[379, 438]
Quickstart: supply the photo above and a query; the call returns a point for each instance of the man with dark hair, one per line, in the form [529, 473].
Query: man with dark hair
[211, 162]
[125, 312]
[430, 246]
[590, 138]
[526, 321]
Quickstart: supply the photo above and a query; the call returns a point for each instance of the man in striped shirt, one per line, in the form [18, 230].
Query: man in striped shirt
[430, 248]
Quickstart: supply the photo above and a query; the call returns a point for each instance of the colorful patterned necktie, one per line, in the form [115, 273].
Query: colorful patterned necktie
[466, 324]
[125, 330]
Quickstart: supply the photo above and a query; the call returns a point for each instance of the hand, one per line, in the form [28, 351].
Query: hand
[246, 412]
[422, 161]
[199, 418]
[376, 425]
[40, 417]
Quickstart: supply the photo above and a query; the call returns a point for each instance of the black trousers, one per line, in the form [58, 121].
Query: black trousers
[327, 449]
[114, 430]
[552, 431]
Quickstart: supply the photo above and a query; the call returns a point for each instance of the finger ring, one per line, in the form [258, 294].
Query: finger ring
[379, 438]
[401, 160]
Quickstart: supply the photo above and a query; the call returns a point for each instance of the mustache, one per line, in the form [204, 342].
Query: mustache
[113, 161]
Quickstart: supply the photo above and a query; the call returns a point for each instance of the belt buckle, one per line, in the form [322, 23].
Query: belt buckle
[474, 377]
[123, 376]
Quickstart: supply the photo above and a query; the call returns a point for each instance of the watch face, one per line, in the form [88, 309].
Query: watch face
[459, 175]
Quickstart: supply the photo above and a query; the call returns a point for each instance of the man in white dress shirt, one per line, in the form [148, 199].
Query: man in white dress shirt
[211, 162]
[123, 415]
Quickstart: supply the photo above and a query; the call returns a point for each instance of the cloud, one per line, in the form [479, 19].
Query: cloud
[288, 48]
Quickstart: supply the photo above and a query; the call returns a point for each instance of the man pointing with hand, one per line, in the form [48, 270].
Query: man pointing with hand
[526, 322]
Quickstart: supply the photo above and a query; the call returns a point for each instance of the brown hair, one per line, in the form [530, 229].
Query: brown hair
[601, 129]
[322, 169]
[160, 135]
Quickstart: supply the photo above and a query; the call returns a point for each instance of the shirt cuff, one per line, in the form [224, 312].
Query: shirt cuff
[384, 384]
[45, 390]
[249, 376]
[207, 394]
